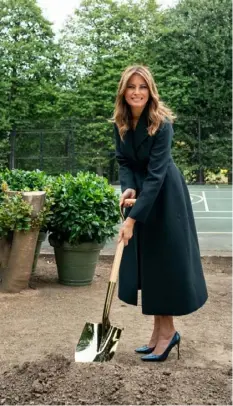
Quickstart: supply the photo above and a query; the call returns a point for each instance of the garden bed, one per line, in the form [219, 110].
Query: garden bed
[40, 328]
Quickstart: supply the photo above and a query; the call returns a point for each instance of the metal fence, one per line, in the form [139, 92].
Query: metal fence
[200, 146]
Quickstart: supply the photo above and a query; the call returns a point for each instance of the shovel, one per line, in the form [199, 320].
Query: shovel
[98, 341]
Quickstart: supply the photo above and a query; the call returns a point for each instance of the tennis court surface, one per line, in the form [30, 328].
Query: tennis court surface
[212, 207]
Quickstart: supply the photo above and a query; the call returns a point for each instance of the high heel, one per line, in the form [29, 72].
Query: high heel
[144, 349]
[178, 349]
[162, 357]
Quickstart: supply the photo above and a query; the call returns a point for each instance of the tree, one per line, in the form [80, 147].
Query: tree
[98, 42]
[192, 65]
[99, 29]
[29, 62]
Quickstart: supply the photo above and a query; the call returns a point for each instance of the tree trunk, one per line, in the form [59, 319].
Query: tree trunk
[18, 271]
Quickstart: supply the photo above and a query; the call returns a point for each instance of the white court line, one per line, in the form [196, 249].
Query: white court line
[219, 198]
[213, 211]
[205, 201]
[219, 191]
[214, 232]
[213, 218]
[192, 195]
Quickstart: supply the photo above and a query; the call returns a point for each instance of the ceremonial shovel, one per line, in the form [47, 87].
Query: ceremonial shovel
[98, 341]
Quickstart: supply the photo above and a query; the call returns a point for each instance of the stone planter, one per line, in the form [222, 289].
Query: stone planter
[41, 238]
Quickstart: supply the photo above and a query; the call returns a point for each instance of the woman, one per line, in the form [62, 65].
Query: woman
[161, 255]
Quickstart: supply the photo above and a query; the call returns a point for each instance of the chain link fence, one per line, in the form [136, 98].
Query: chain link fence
[201, 148]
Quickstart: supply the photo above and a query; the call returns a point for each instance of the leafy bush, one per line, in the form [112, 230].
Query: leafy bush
[26, 181]
[15, 215]
[216, 178]
[85, 209]
[77, 208]
[20, 180]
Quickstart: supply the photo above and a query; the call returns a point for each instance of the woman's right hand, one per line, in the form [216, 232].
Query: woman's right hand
[127, 194]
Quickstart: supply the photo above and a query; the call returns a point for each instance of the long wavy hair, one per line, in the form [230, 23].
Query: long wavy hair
[157, 110]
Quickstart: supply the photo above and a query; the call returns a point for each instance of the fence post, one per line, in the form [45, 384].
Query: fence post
[111, 166]
[12, 146]
[68, 151]
[72, 154]
[41, 150]
[200, 170]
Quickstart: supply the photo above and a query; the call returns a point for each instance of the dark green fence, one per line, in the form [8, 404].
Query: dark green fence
[201, 148]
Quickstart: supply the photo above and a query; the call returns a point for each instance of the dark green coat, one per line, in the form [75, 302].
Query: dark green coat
[162, 258]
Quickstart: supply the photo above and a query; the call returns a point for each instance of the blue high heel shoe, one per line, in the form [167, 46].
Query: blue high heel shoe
[144, 349]
[162, 357]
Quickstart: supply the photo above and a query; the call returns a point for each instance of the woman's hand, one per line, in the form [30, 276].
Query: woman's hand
[126, 231]
[129, 202]
[127, 194]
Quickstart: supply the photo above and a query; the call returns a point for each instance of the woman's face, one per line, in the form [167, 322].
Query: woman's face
[137, 92]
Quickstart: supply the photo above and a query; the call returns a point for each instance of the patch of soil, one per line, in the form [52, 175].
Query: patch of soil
[40, 329]
[56, 380]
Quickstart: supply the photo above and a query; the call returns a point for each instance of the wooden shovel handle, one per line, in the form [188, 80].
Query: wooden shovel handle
[116, 262]
[119, 250]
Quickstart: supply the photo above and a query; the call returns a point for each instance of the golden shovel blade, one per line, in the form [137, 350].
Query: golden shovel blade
[98, 341]
[96, 346]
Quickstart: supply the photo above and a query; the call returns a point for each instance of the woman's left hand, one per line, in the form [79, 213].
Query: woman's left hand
[126, 231]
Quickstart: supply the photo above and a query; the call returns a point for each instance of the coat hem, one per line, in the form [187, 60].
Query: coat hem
[172, 313]
[162, 313]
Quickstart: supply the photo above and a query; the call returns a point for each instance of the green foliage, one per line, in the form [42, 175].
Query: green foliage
[4, 151]
[71, 86]
[77, 208]
[25, 181]
[192, 65]
[193, 62]
[15, 214]
[101, 31]
[29, 62]
[85, 209]
[98, 42]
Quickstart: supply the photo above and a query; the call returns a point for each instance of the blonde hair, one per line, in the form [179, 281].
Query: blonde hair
[157, 111]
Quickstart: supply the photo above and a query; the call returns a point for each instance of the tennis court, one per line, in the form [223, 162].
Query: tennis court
[212, 206]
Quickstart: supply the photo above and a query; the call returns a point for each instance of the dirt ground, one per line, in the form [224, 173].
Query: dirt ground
[40, 328]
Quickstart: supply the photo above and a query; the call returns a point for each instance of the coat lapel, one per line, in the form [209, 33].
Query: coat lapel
[140, 133]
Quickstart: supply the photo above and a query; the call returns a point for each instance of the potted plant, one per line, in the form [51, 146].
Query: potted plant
[85, 213]
[25, 181]
[20, 219]
[14, 216]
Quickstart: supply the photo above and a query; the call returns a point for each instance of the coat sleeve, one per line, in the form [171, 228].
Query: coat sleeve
[125, 171]
[157, 167]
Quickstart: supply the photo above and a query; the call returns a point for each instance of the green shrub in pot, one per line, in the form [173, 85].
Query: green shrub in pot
[25, 181]
[21, 180]
[15, 214]
[85, 214]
